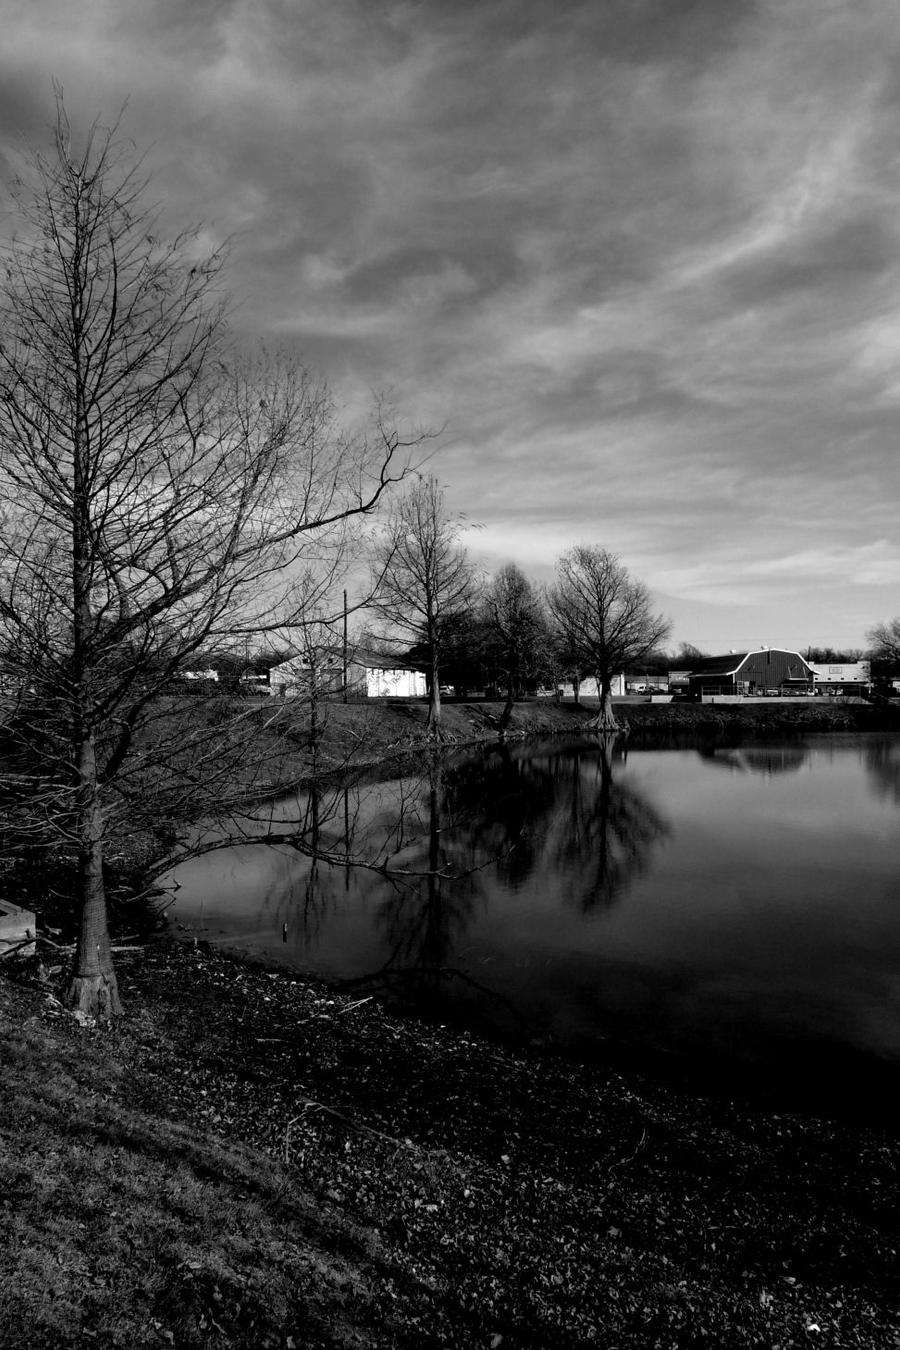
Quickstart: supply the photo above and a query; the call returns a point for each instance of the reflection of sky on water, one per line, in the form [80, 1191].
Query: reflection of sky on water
[653, 898]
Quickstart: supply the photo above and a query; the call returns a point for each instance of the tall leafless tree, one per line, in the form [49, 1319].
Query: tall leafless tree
[517, 632]
[884, 642]
[687, 653]
[159, 497]
[424, 576]
[605, 617]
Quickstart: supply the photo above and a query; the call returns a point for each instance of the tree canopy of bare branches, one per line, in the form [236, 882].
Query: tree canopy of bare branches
[159, 494]
[517, 631]
[884, 640]
[425, 577]
[604, 617]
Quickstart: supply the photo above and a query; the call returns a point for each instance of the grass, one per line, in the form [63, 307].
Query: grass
[126, 1227]
[249, 1160]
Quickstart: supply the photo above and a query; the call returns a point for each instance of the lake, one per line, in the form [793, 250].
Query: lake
[728, 910]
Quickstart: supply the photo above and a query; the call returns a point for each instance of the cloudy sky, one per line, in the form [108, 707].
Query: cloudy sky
[641, 258]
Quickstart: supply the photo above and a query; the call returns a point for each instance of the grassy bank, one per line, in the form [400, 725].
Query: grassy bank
[380, 730]
[377, 732]
[398, 724]
[249, 1160]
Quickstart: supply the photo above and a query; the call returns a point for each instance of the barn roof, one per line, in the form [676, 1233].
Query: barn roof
[720, 665]
[731, 664]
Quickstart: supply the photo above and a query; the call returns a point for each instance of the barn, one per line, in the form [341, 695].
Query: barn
[767, 670]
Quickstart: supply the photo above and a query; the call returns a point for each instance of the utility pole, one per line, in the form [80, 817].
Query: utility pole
[344, 661]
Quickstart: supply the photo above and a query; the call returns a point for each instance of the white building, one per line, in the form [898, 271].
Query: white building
[841, 676]
[299, 675]
[391, 680]
[368, 675]
[590, 689]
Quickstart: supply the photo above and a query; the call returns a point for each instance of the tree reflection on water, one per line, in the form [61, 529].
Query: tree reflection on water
[499, 822]
[883, 764]
[759, 902]
[763, 759]
[606, 829]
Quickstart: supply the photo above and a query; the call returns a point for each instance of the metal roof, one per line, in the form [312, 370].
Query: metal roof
[720, 665]
[731, 664]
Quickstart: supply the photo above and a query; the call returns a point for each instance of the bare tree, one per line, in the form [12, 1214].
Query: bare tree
[424, 578]
[884, 641]
[884, 649]
[884, 637]
[517, 631]
[687, 653]
[159, 498]
[603, 616]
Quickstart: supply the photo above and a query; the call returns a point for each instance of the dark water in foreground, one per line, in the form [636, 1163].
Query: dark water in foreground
[731, 909]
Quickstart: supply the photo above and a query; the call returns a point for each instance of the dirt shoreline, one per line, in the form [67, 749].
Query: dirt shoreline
[429, 1188]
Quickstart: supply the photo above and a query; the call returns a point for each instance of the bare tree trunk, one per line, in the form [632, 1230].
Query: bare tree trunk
[506, 715]
[314, 714]
[434, 708]
[434, 693]
[606, 718]
[94, 988]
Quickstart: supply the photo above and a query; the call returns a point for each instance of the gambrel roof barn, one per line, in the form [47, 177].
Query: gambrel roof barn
[753, 672]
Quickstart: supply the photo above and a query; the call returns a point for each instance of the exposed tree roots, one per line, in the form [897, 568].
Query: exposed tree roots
[95, 996]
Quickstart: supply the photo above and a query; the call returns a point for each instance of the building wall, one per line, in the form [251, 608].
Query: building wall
[589, 688]
[837, 674]
[397, 683]
[768, 669]
[295, 677]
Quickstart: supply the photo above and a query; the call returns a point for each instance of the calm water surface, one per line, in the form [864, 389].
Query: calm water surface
[732, 906]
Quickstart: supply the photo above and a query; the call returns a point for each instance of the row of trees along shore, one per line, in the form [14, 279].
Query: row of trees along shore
[163, 495]
[594, 621]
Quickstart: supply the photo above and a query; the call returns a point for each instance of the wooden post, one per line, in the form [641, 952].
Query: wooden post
[344, 664]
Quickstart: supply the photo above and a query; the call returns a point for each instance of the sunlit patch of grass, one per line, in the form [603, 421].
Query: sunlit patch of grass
[122, 1228]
